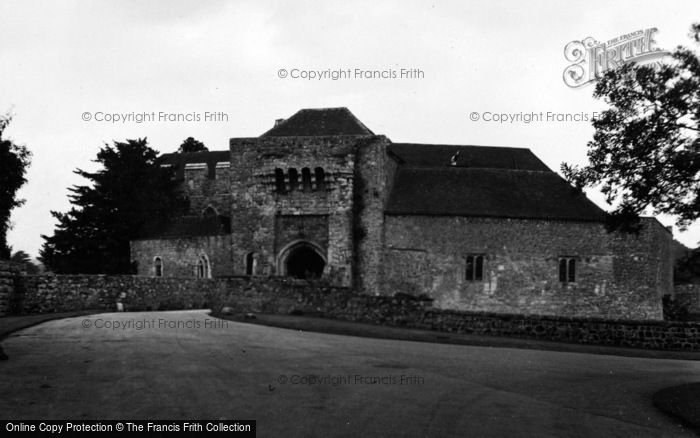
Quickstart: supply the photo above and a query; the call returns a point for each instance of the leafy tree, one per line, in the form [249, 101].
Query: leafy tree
[687, 268]
[645, 150]
[129, 193]
[14, 160]
[191, 145]
[23, 258]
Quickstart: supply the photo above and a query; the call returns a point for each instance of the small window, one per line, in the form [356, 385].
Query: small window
[202, 268]
[320, 178]
[567, 269]
[279, 180]
[210, 212]
[158, 267]
[293, 179]
[251, 263]
[306, 179]
[475, 267]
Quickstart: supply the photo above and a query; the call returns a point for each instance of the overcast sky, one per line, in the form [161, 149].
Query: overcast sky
[60, 59]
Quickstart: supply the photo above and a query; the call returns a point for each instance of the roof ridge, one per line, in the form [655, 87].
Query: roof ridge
[461, 145]
[313, 122]
[325, 108]
[458, 167]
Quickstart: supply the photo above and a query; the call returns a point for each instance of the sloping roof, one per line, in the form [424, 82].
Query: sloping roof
[319, 122]
[190, 226]
[495, 192]
[434, 155]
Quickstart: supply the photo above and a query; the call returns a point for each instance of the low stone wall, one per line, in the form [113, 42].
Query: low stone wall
[61, 293]
[688, 295]
[411, 312]
[659, 335]
[285, 296]
[8, 273]
[47, 293]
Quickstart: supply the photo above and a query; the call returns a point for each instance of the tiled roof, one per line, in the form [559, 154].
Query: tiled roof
[319, 122]
[495, 192]
[432, 155]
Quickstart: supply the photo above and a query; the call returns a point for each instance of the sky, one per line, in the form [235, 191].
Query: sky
[64, 61]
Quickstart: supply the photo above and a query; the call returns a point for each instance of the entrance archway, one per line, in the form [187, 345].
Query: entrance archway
[302, 260]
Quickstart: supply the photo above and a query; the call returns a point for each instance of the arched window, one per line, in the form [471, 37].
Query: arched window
[251, 263]
[279, 180]
[158, 266]
[567, 269]
[293, 179]
[202, 270]
[199, 270]
[306, 179]
[210, 212]
[320, 178]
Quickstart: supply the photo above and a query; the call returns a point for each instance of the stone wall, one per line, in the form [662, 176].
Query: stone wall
[617, 276]
[402, 310]
[9, 272]
[658, 335]
[257, 206]
[47, 294]
[371, 193]
[287, 296]
[180, 255]
[207, 185]
[62, 293]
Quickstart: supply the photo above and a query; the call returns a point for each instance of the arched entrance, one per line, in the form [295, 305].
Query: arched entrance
[302, 260]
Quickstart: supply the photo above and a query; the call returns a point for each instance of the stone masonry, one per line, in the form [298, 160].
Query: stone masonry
[8, 274]
[474, 228]
[617, 275]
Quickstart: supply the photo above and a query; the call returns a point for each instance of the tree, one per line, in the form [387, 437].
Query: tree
[23, 258]
[645, 151]
[191, 145]
[130, 192]
[14, 160]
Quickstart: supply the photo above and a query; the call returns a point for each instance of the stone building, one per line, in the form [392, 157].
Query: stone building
[472, 227]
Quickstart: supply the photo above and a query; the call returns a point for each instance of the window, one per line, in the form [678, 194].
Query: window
[320, 178]
[306, 179]
[210, 212]
[279, 180]
[158, 267]
[293, 179]
[475, 268]
[567, 269]
[202, 268]
[251, 263]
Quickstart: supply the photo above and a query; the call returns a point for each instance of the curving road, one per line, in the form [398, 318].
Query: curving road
[187, 365]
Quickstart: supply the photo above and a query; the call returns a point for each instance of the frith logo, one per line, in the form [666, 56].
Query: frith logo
[591, 58]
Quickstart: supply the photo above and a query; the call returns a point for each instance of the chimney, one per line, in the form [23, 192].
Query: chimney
[279, 122]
